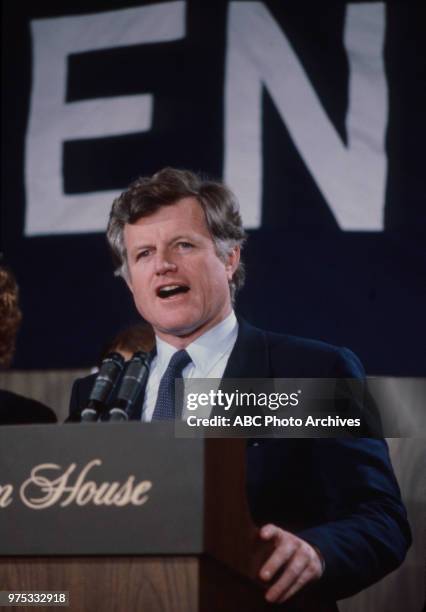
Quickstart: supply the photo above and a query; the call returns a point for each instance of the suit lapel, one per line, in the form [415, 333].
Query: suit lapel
[250, 356]
[249, 359]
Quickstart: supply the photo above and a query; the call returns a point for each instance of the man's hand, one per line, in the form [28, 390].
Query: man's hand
[301, 563]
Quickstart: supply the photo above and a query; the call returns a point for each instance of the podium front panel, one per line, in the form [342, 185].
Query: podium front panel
[89, 489]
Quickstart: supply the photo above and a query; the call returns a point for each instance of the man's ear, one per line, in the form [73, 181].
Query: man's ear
[233, 261]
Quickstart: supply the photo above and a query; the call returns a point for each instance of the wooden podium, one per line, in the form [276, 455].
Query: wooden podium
[76, 542]
[129, 517]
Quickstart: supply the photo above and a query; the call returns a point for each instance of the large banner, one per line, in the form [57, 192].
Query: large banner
[313, 113]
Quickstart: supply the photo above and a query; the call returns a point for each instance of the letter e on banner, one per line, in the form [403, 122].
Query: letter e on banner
[52, 121]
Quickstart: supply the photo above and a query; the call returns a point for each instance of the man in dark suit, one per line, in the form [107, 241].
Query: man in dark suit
[331, 507]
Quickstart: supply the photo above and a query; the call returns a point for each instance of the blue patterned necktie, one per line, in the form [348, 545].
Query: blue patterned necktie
[165, 404]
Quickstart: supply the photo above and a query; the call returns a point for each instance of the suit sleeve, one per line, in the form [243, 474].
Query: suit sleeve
[365, 532]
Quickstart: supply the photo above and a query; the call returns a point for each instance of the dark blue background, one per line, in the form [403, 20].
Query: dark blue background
[305, 276]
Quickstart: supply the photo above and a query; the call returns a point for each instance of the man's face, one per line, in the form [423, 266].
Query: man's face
[178, 282]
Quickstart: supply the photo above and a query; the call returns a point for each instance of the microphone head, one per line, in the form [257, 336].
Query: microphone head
[136, 371]
[108, 375]
[132, 384]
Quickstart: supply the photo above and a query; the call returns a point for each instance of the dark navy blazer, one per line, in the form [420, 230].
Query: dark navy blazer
[339, 494]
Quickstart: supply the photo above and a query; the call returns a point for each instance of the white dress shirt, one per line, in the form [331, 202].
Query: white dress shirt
[209, 354]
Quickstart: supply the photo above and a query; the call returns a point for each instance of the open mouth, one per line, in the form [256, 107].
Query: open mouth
[171, 290]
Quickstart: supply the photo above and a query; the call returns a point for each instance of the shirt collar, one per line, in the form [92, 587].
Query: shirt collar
[213, 343]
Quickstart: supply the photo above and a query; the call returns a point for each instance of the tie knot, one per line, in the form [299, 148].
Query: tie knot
[177, 363]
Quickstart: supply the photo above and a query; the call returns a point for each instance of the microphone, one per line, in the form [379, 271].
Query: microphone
[105, 381]
[134, 379]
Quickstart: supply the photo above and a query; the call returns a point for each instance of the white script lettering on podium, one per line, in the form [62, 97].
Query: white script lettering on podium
[50, 484]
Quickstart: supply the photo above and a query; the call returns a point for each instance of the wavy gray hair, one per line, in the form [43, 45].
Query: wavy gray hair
[147, 194]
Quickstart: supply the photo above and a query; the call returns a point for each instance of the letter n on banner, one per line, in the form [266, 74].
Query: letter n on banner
[351, 179]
